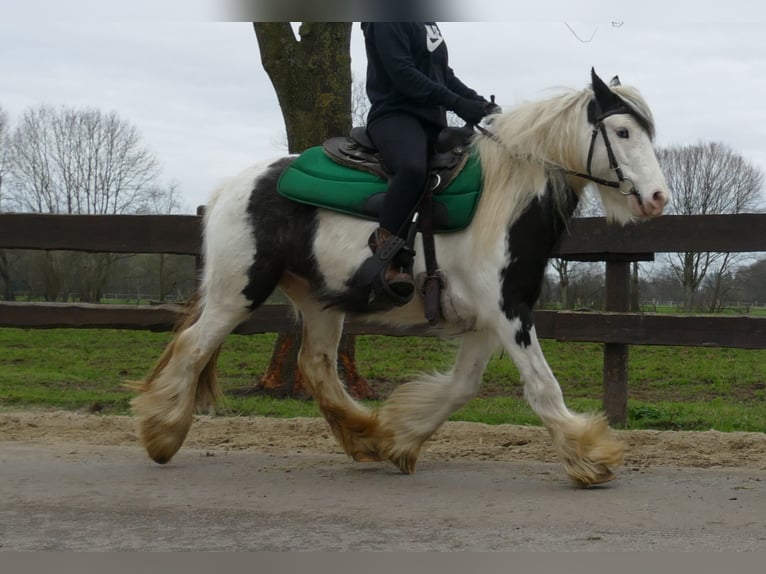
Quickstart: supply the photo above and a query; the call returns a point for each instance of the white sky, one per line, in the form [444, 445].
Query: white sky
[196, 90]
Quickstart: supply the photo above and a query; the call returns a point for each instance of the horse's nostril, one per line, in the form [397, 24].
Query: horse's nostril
[659, 198]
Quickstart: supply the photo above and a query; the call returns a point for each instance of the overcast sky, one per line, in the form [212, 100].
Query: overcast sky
[199, 96]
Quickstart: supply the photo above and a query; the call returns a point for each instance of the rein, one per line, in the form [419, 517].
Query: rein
[598, 128]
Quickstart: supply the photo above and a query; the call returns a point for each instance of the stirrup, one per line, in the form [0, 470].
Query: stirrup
[372, 274]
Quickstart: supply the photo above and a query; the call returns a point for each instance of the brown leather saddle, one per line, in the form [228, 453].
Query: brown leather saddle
[357, 151]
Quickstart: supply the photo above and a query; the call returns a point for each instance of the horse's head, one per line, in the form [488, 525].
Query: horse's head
[620, 154]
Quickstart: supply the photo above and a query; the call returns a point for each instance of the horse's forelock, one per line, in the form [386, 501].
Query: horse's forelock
[638, 107]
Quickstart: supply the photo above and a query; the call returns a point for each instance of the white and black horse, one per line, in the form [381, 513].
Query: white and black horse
[535, 165]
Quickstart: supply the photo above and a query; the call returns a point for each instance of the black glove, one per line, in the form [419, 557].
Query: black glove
[472, 111]
[490, 107]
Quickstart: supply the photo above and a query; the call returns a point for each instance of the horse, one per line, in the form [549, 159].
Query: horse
[537, 159]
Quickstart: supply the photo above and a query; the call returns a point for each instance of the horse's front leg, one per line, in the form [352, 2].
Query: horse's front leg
[415, 410]
[584, 443]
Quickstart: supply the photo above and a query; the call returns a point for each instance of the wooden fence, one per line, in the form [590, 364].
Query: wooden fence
[590, 239]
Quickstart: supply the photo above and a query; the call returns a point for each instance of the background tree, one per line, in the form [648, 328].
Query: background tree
[83, 161]
[751, 283]
[708, 178]
[360, 103]
[165, 201]
[5, 258]
[4, 152]
[78, 161]
[311, 75]
[567, 271]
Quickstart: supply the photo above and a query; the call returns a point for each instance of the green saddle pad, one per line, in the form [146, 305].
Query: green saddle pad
[315, 179]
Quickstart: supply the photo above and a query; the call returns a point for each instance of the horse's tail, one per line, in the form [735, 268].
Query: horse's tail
[208, 390]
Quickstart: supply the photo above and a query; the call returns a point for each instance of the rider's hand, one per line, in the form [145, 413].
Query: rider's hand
[471, 111]
[491, 108]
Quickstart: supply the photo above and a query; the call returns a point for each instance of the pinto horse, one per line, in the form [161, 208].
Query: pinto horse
[535, 166]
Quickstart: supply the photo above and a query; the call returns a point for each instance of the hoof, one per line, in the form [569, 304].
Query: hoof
[366, 457]
[601, 475]
[161, 448]
[161, 439]
[161, 458]
[404, 461]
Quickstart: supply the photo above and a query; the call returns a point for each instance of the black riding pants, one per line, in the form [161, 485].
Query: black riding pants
[404, 144]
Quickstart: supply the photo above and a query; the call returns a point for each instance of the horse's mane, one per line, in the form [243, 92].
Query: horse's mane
[531, 137]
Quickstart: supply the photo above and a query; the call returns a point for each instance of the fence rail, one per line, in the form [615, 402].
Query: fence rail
[589, 239]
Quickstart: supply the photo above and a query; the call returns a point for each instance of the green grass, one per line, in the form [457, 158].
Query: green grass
[680, 388]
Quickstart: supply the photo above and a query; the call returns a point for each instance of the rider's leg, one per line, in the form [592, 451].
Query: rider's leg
[403, 143]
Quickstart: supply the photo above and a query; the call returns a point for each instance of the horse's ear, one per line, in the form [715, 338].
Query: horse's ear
[605, 99]
[615, 81]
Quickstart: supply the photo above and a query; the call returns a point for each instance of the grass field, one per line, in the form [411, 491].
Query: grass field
[670, 387]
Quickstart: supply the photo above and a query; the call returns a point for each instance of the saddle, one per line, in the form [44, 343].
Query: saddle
[358, 152]
[346, 175]
[448, 159]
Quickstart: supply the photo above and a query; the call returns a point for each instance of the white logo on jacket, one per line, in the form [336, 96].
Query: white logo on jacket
[434, 37]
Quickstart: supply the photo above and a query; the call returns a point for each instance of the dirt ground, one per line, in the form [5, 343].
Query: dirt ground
[81, 482]
[455, 440]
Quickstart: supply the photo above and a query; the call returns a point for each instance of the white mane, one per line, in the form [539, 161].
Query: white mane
[531, 137]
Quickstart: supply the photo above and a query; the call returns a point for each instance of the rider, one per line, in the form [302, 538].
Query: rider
[410, 86]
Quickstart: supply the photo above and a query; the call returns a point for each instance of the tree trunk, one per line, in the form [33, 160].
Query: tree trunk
[311, 76]
[51, 277]
[312, 79]
[283, 378]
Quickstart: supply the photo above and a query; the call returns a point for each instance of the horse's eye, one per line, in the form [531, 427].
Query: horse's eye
[623, 133]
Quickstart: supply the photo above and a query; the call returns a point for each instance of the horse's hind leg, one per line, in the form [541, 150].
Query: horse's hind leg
[353, 425]
[184, 378]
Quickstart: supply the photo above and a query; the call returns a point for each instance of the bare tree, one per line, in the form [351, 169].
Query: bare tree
[751, 283]
[164, 201]
[569, 271]
[708, 178]
[5, 259]
[360, 103]
[79, 161]
[4, 152]
[83, 161]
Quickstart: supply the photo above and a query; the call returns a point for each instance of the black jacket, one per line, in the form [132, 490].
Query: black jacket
[408, 71]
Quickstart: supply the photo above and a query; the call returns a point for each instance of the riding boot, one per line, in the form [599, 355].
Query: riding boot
[399, 281]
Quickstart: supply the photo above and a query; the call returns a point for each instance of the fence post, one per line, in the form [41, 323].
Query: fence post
[615, 401]
[198, 257]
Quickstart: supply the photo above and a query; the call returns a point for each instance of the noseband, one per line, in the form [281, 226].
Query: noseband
[598, 128]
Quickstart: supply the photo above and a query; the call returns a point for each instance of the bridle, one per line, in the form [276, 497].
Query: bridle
[598, 128]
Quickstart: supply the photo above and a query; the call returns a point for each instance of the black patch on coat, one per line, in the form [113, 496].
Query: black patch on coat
[284, 235]
[531, 240]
